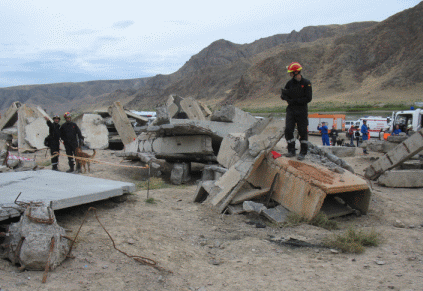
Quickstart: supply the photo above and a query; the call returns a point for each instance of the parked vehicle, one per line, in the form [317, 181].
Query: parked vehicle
[350, 123]
[376, 124]
[407, 118]
[331, 119]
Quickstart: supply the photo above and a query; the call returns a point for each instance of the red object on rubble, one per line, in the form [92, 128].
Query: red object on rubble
[276, 154]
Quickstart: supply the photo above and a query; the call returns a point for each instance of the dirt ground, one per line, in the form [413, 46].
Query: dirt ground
[199, 249]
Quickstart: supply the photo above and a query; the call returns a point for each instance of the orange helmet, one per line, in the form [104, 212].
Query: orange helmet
[67, 114]
[294, 67]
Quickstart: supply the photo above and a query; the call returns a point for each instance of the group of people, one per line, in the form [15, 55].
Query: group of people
[333, 134]
[71, 136]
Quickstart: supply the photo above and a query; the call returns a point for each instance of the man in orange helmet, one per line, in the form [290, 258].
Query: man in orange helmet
[298, 94]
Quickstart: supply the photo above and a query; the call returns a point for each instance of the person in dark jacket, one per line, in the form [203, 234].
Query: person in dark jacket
[54, 140]
[297, 93]
[72, 138]
[324, 130]
[333, 135]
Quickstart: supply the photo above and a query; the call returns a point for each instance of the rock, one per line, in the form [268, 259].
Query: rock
[398, 223]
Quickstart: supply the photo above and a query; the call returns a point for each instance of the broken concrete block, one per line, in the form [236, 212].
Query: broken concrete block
[132, 147]
[28, 165]
[40, 238]
[248, 195]
[11, 116]
[233, 114]
[205, 109]
[231, 149]
[94, 131]
[27, 115]
[162, 116]
[191, 144]
[250, 206]
[277, 214]
[212, 172]
[401, 153]
[13, 163]
[235, 209]
[122, 123]
[340, 151]
[204, 188]
[268, 138]
[191, 107]
[411, 165]
[402, 179]
[397, 138]
[180, 173]
[36, 132]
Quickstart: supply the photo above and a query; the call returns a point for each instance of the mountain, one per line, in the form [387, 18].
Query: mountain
[356, 62]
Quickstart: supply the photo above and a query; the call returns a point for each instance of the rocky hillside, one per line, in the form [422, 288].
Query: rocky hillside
[355, 62]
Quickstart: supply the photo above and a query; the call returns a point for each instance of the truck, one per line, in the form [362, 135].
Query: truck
[407, 119]
[331, 119]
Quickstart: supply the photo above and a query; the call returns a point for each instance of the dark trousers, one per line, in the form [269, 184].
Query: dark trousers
[54, 151]
[299, 117]
[70, 151]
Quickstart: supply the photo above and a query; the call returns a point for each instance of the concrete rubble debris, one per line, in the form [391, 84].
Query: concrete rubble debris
[303, 187]
[402, 152]
[36, 240]
[402, 179]
[250, 206]
[11, 116]
[235, 178]
[47, 186]
[180, 173]
[212, 172]
[233, 114]
[94, 131]
[32, 129]
[122, 123]
[186, 108]
[277, 214]
[339, 151]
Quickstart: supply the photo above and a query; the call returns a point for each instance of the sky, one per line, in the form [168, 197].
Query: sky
[44, 41]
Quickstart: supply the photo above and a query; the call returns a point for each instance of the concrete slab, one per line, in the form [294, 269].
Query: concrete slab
[36, 132]
[63, 190]
[11, 115]
[122, 123]
[94, 131]
[402, 179]
[191, 107]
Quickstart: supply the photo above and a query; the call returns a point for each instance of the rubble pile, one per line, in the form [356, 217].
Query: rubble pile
[36, 240]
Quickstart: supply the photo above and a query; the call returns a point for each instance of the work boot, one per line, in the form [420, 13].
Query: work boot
[71, 169]
[301, 157]
[54, 168]
[290, 154]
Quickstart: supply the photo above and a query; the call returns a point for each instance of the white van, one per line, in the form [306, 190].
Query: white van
[375, 124]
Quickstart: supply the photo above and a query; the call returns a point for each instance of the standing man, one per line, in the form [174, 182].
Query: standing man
[334, 135]
[365, 134]
[72, 138]
[54, 140]
[298, 94]
[324, 130]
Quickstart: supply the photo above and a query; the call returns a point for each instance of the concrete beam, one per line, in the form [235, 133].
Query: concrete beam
[402, 179]
[402, 152]
[122, 124]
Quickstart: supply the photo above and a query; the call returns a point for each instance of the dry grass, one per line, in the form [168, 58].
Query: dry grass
[354, 241]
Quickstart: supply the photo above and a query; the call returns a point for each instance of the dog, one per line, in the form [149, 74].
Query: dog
[340, 142]
[83, 162]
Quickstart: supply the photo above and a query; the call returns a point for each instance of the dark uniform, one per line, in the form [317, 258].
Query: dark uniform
[72, 137]
[54, 142]
[298, 94]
